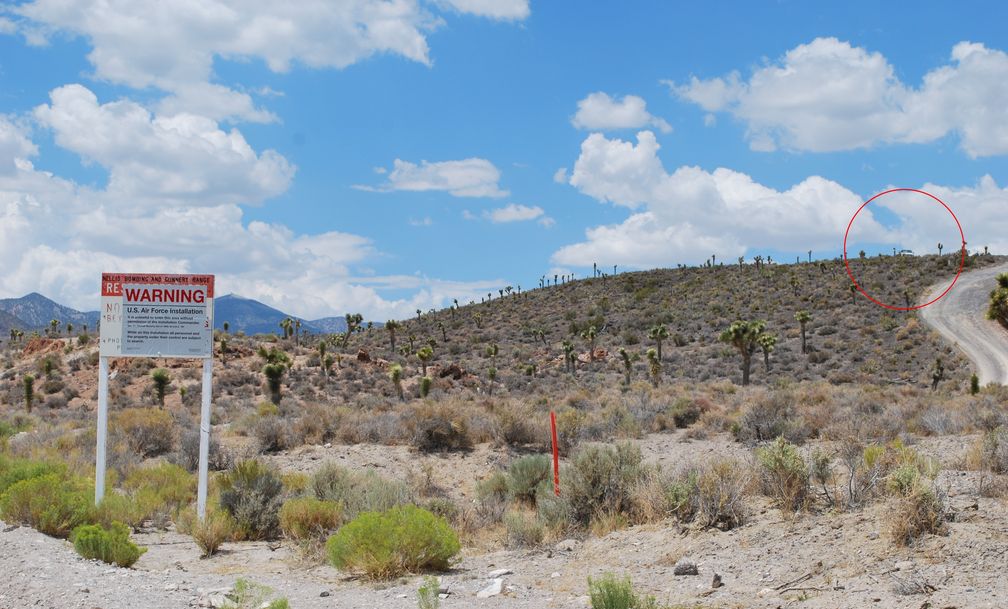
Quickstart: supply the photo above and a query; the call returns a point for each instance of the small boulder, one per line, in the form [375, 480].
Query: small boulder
[495, 588]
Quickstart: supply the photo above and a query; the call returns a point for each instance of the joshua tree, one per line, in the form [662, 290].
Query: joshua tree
[654, 366]
[491, 376]
[47, 365]
[568, 349]
[444, 333]
[803, 317]
[906, 298]
[54, 326]
[327, 363]
[478, 318]
[425, 385]
[940, 248]
[353, 322]
[29, 391]
[227, 326]
[395, 375]
[412, 340]
[590, 335]
[492, 350]
[810, 256]
[741, 261]
[862, 255]
[794, 284]
[273, 356]
[223, 351]
[767, 342]
[937, 374]
[997, 308]
[418, 312]
[853, 294]
[424, 355]
[322, 356]
[541, 335]
[392, 325]
[285, 325]
[161, 380]
[274, 378]
[627, 365]
[69, 328]
[744, 336]
[658, 334]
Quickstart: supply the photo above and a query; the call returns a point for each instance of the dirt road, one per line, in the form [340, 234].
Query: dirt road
[961, 318]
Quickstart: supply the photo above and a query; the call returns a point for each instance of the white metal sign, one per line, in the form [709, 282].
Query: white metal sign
[146, 315]
[154, 315]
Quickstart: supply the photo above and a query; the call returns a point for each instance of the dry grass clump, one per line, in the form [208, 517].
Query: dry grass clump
[147, 431]
[358, 491]
[436, 427]
[210, 533]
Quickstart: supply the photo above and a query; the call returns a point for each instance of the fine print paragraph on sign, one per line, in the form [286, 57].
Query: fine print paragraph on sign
[157, 315]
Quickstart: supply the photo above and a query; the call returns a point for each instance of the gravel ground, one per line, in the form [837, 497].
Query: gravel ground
[820, 560]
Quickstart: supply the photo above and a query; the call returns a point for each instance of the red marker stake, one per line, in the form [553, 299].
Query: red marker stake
[556, 455]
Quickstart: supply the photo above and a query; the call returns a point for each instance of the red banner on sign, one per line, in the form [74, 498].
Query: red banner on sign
[112, 283]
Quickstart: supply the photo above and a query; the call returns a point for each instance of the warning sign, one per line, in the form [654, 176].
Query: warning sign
[150, 315]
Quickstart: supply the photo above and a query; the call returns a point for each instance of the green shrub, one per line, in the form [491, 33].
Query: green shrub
[601, 479]
[610, 592]
[307, 518]
[13, 471]
[683, 413]
[160, 491]
[784, 474]
[525, 475]
[51, 504]
[111, 545]
[248, 594]
[523, 531]
[252, 493]
[358, 492]
[384, 545]
[553, 512]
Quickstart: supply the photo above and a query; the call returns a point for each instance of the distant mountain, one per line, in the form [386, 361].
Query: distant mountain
[253, 317]
[329, 325]
[8, 321]
[35, 311]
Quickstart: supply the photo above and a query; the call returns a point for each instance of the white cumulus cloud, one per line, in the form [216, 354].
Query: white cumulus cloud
[600, 112]
[171, 45]
[473, 177]
[505, 10]
[182, 156]
[828, 95]
[514, 213]
[173, 203]
[690, 213]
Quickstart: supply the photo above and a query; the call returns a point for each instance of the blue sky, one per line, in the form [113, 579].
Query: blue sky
[384, 156]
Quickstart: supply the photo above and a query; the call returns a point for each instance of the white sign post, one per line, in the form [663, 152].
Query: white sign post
[151, 315]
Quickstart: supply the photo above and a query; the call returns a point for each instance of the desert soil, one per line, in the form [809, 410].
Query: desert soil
[821, 560]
